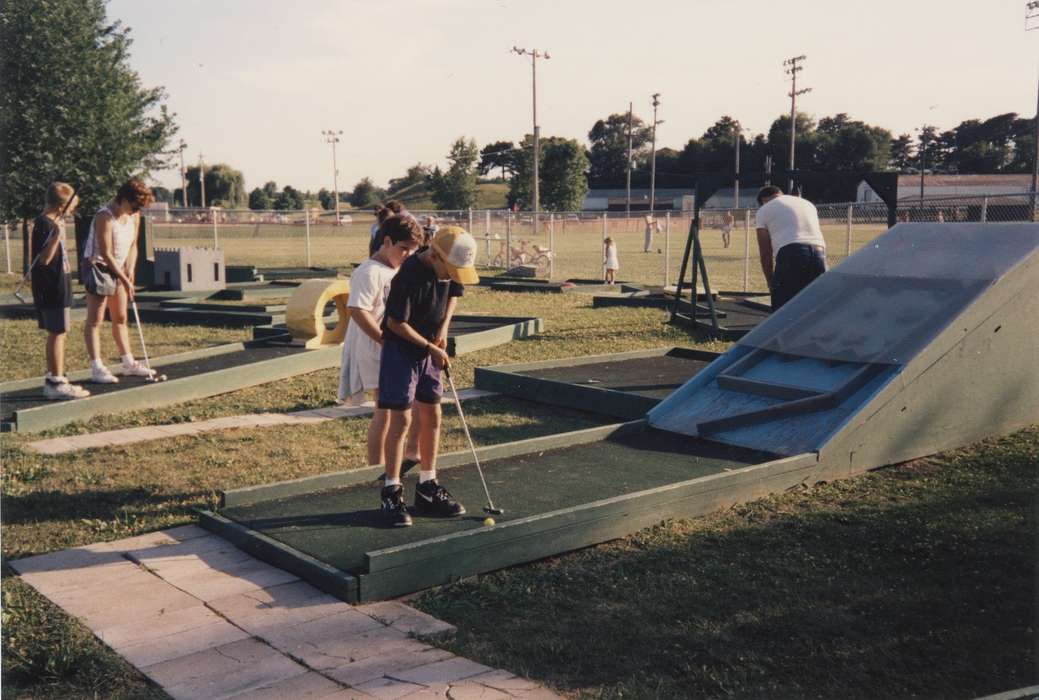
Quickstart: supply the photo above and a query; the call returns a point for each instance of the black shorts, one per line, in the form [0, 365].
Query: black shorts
[797, 264]
[54, 320]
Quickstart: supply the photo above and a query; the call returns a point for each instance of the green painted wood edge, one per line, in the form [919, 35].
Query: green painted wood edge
[576, 361]
[176, 390]
[250, 495]
[437, 561]
[83, 375]
[493, 337]
[328, 578]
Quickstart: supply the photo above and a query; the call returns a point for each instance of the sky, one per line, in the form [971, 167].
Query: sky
[254, 82]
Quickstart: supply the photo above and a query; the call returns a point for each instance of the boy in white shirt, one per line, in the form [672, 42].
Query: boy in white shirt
[790, 243]
[369, 287]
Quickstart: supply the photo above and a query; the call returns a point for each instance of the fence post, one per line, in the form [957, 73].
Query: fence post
[7, 248]
[984, 209]
[551, 246]
[667, 249]
[602, 247]
[847, 236]
[508, 241]
[470, 229]
[306, 219]
[212, 214]
[746, 250]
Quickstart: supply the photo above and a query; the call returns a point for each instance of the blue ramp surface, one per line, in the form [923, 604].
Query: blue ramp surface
[860, 334]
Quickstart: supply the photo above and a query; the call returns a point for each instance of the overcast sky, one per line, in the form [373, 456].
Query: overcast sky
[253, 82]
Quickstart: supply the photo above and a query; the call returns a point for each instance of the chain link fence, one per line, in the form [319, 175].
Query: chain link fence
[559, 246]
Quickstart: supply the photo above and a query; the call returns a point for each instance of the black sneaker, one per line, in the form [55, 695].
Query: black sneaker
[434, 500]
[394, 507]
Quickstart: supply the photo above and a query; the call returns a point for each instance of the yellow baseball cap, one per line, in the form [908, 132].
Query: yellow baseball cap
[458, 251]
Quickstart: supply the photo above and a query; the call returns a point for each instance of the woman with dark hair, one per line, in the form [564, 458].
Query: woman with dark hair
[109, 259]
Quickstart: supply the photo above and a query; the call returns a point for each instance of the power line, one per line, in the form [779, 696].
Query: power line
[332, 136]
[792, 71]
[534, 54]
[653, 162]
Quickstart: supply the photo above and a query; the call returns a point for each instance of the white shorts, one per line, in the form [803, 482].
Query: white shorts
[359, 370]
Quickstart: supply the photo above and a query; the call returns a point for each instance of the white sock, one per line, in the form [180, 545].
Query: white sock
[427, 475]
[392, 482]
[97, 363]
[127, 359]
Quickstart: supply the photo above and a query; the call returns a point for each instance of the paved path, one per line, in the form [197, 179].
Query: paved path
[205, 620]
[57, 446]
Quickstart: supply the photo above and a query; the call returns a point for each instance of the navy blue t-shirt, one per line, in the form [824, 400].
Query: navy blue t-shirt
[51, 286]
[419, 299]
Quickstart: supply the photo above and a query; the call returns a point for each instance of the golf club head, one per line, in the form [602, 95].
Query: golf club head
[155, 378]
[493, 511]
[18, 295]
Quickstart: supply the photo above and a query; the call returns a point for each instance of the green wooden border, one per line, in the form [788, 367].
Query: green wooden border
[506, 379]
[250, 495]
[177, 390]
[328, 578]
[512, 329]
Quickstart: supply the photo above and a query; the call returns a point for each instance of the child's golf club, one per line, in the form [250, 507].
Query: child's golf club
[153, 377]
[28, 273]
[489, 508]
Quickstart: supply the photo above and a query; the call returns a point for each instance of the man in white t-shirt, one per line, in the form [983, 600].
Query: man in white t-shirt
[790, 242]
[369, 287]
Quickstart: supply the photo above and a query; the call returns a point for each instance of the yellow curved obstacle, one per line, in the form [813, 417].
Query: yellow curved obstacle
[304, 313]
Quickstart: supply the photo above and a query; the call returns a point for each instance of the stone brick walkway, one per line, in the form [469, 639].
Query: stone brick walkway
[205, 620]
[57, 446]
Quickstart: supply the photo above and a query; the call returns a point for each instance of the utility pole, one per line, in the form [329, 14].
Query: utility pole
[768, 170]
[1032, 18]
[202, 178]
[534, 54]
[183, 175]
[627, 201]
[792, 71]
[653, 161]
[736, 184]
[332, 137]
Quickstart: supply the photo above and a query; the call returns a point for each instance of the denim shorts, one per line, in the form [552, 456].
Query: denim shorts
[405, 378]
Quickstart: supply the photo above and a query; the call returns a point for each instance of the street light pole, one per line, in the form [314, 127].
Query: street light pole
[653, 158]
[792, 71]
[627, 201]
[332, 137]
[534, 54]
[183, 175]
[736, 183]
[202, 178]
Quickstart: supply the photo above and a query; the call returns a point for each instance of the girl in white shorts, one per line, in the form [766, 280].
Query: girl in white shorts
[369, 286]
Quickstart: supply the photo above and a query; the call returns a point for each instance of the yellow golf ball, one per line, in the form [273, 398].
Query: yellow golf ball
[488, 521]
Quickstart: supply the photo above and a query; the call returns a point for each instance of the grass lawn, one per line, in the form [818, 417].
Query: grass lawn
[915, 579]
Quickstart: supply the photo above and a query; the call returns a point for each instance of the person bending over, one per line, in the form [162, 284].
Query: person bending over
[790, 243]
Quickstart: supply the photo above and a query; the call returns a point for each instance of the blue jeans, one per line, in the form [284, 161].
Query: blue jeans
[797, 264]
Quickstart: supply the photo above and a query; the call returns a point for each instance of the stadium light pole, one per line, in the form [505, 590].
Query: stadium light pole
[1032, 18]
[534, 54]
[332, 136]
[183, 174]
[653, 160]
[627, 201]
[202, 178]
[792, 71]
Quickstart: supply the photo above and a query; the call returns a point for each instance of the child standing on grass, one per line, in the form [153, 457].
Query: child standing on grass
[369, 287]
[422, 300]
[610, 261]
[52, 287]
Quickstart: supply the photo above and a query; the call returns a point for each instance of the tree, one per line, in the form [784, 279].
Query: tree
[270, 188]
[364, 193]
[289, 198]
[931, 150]
[845, 144]
[608, 157]
[225, 187]
[326, 199]
[456, 188]
[901, 153]
[416, 175]
[561, 174]
[500, 154]
[162, 194]
[714, 152]
[258, 200]
[71, 107]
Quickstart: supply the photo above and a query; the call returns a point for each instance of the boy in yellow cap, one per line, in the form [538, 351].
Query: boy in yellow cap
[422, 300]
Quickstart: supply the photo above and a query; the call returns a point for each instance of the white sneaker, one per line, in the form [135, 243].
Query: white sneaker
[102, 375]
[136, 369]
[63, 391]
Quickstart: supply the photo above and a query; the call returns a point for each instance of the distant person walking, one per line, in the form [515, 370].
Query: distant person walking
[790, 243]
[652, 226]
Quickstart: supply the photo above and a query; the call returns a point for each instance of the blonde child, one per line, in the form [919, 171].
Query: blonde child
[610, 261]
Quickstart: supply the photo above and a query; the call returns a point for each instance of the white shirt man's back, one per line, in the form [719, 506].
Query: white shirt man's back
[789, 220]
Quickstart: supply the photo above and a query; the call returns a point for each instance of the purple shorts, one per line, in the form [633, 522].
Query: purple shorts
[405, 377]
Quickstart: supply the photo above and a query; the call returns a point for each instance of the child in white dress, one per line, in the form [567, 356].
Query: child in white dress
[610, 261]
[369, 287]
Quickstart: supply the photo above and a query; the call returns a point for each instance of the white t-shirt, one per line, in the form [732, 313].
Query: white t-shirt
[359, 371]
[789, 220]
